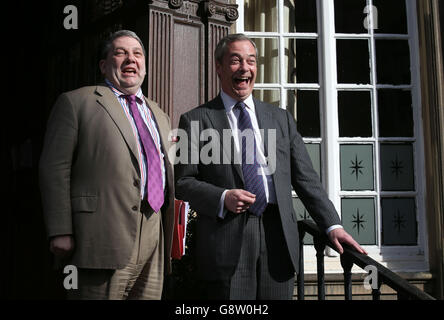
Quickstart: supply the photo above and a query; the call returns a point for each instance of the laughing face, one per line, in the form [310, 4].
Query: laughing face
[237, 72]
[125, 65]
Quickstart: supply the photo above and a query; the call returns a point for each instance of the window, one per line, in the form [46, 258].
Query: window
[347, 71]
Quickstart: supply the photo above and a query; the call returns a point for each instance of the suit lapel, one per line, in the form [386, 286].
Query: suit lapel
[107, 99]
[218, 117]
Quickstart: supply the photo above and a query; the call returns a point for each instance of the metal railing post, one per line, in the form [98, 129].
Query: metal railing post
[300, 277]
[347, 265]
[376, 293]
[319, 245]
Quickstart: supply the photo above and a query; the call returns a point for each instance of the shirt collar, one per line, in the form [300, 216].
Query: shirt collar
[230, 102]
[118, 93]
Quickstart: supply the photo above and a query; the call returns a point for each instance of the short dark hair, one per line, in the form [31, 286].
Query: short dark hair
[108, 43]
[221, 47]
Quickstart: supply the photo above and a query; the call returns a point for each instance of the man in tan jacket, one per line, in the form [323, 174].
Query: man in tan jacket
[107, 183]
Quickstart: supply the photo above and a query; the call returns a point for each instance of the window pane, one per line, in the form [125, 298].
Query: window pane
[391, 16]
[303, 68]
[268, 95]
[354, 113]
[353, 61]
[395, 113]
[398, 221]
[314, 151]
[268, 60]
[260, 15]
[302, 214]
[356, 167]
[358, 219]
[304, 106]
[300, 16]
[397, 167]
[392, 61]
[349, 16]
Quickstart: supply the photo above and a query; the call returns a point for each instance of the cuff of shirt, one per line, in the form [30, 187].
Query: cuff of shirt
[335, 226]
[221, 212]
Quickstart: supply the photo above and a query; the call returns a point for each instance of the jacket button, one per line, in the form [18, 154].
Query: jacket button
[134, 208]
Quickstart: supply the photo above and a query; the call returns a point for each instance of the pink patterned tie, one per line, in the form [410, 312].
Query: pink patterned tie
[154, 185]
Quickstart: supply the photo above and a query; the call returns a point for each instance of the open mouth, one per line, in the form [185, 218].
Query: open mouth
[242, 81]
[129, 71]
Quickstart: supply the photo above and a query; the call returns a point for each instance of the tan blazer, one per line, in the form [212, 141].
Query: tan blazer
[90, 177]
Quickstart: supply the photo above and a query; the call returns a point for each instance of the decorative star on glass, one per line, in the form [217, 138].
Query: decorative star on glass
[356, 167]
[399, 221]
[302, 214]
[358, 219]
[399, 226]
[397, 167]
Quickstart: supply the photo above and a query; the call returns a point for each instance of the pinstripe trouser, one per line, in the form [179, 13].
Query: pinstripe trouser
[264, 271]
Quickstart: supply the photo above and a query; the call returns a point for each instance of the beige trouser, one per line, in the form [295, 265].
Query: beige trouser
[142, 278]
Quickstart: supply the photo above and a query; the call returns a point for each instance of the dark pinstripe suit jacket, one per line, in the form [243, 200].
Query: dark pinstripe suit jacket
[218, 241]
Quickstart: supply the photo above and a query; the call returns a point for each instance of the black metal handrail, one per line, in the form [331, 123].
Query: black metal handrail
[404, 289]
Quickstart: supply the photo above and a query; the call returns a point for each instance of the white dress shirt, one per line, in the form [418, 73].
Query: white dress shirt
[150, 122]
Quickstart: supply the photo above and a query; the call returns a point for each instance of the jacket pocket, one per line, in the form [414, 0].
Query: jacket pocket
[84, 204]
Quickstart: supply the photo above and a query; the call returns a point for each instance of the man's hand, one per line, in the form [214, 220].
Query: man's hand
[238, 200]
[61, 246]
[339, 235]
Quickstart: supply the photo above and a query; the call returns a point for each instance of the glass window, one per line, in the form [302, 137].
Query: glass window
[357, 167]
[395, 113]
[397, 167]
[260, 15]
[398, 221]
[300, 16]
[301, 63]
[343, 69]
[353, 61]
[304, 106]
[354, 114]
[358, 219]
[391, 16]
[393, 61]
[268, 60]
[267, 95]
[349, 16]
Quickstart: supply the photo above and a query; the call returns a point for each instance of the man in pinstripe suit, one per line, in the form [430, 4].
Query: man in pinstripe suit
[107, 183]
[243, 252]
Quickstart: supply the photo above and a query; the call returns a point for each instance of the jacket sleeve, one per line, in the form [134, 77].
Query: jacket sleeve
[55, 167]
[203, 196]
[306, 183]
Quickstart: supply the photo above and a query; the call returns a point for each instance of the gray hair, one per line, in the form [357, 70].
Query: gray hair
[221, 47]
[108, 44]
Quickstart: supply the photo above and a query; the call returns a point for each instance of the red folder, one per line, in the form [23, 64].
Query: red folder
[180, 228]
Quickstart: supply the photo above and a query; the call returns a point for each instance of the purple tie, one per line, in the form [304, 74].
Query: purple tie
[253, 180]
[154, 185]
